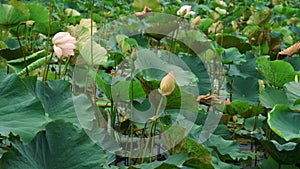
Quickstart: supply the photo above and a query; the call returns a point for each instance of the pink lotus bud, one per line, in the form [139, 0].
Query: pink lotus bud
[167, 84]
[196, 21]
[64, 44]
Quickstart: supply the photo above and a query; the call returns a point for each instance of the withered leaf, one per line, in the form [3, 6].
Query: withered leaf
[291, 50]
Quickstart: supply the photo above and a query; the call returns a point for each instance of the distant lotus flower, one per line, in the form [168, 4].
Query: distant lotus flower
[196, 21]
[185, 11]
[223, 3]
[64, 44]
[167, 84]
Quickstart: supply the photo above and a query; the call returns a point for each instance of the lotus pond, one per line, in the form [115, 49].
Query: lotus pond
[149, 84]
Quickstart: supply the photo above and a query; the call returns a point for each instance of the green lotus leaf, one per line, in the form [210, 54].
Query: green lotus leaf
[271, 96]
[293, 94]
[226, 149]
[245, 89]
[282, 153]
[21, 112]
[56, 96]
[61, 145]
[284, 122]
[11, 16]
[233, 56]
[277, 72]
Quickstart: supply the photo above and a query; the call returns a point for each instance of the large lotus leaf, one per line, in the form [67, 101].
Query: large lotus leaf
[194, 40]
[227, 149]
[43, 27]
[229, 41]
[233, 56]
[293, 93]
[271, 96]
[92, 49]
[147, 59]
[284, 122]
[56, 96]
[278, 72]
[246, 69]
[61, 145]
[10, 16]
[38, 13]
[197, 67]
[20, 111]
[127, 90]
[245, 89]
[283, 153]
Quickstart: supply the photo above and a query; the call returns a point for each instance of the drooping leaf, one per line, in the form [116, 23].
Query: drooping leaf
[282, 153]
[61, 145]
[20, 111]
[226, 149]
[284, 122]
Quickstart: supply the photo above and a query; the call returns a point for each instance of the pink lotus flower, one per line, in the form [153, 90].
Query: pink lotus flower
[185, 11]
[167, 84]
[64, 44]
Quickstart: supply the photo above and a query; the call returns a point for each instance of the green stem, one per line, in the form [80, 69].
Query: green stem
[65, 67]
[24, 56]
[153, 123]
[47, 44]
[47, 67]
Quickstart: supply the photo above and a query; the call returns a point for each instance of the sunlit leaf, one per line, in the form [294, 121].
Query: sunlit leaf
[93, 53]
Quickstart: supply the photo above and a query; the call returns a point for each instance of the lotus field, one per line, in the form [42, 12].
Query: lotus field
[144, 84]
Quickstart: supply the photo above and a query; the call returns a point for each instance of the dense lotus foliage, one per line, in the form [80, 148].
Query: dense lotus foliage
[149, 84]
